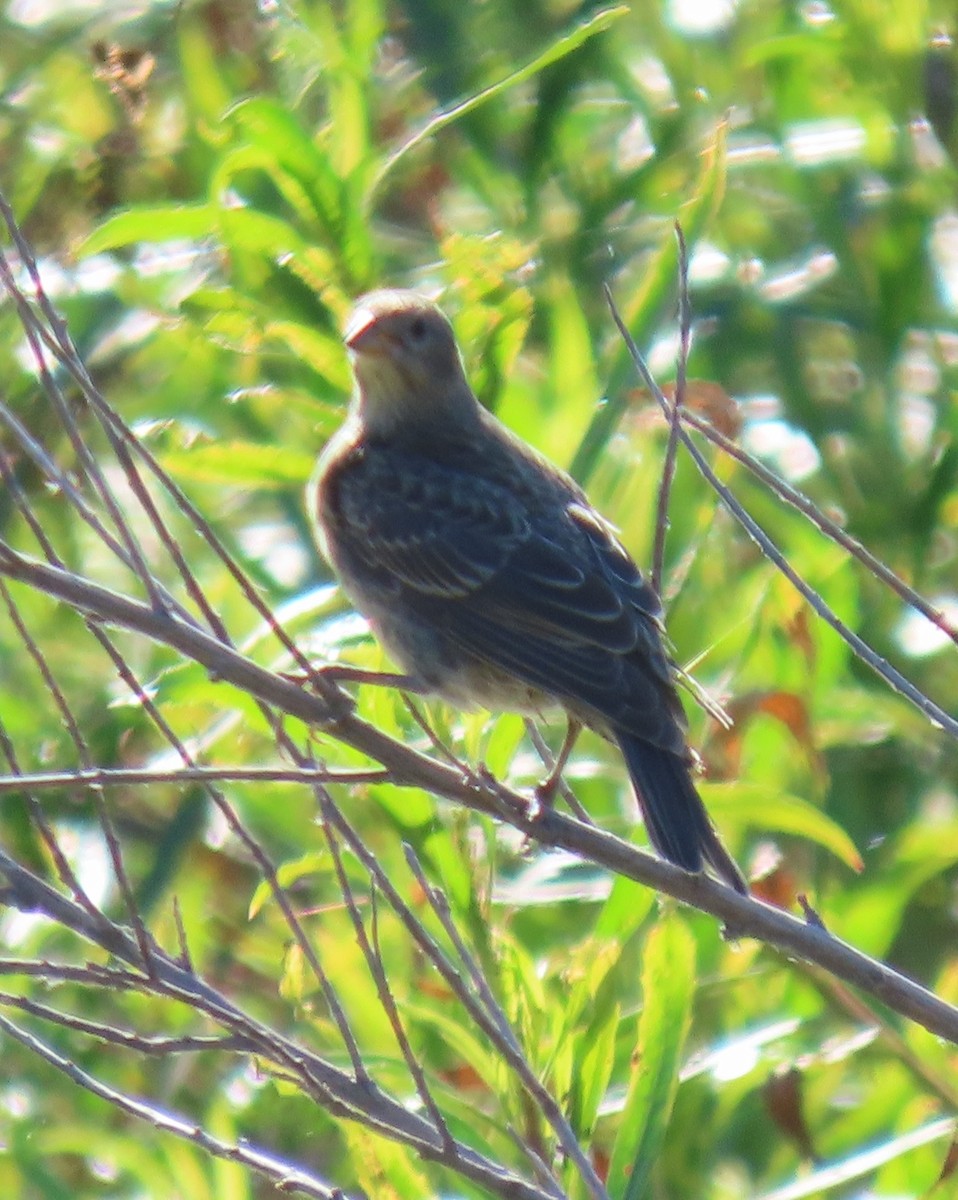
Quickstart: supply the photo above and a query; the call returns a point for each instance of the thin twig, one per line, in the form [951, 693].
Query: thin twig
[487, 1019]
[103, 777]
[435, 740]
[541, 748]
[890, 674]
[329, 1086]
[506, 1042]
[674, 415]
[837, 994]
[407, 766]
[141, 1043]
[90, 975]
[84, 456]
[122, 437]
[287, 1176]
[64, 870]
[371, 953]
[832, 530]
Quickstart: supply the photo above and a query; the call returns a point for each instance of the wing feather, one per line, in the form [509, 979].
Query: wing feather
[547, 595]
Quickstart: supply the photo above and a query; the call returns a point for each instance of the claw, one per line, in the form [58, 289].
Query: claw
[545, 794]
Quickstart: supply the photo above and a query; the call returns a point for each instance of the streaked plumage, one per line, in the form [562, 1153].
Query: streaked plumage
[487, 574]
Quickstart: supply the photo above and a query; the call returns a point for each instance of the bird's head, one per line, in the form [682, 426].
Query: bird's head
[408, 370]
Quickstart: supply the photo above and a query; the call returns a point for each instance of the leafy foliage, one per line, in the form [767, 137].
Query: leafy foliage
[208, 188]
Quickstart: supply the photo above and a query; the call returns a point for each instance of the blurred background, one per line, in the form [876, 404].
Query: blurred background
[208, 186]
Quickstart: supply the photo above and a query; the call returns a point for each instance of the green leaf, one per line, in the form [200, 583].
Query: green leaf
[321, 351]
[385, 1168]
[572, 355]
[741, 803]
[205, 83]
[285, 146]
[161, 223]
[467, 1045]
[249, 463]
[642, 309]
[595, 1059]
[668, 985]
[559, 49]
[252, 230]
[288, 874]
[628, 905]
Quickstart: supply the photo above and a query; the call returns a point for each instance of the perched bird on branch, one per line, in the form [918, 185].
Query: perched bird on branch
[486, 573]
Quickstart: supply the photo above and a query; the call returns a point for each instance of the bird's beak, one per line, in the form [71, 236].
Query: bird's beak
[364, 334]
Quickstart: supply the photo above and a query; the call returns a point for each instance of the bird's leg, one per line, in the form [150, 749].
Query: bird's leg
[396, 679]
[340, 673]
[545, 792]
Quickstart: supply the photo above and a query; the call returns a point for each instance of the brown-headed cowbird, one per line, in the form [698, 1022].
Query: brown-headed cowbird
[487, 574]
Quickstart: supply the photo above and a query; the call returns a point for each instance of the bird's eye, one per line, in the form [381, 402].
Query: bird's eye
[418, 329]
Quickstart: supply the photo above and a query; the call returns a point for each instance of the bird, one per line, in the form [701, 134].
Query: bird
[486, 573]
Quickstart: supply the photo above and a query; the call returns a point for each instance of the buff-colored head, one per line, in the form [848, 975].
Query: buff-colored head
[407, 365]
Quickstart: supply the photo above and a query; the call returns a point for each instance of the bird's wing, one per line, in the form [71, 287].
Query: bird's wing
[428, 528]
[456, 535]
[594, 645]
[553, 600]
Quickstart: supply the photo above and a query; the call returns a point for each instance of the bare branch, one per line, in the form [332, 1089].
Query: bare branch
[330, 1087]
[103, 777]
[285, 1175]
[881, 666]
[371, 953]
[674, 415]
[833, 531]
[506, 1040]
[745, 915]
[141, 1043]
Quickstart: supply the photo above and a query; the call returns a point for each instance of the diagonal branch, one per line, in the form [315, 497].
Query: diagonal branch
[745, 916]
[330, 1087]
[287, 1176]
[881, 666]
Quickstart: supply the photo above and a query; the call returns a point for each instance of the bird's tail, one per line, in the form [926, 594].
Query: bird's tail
[675, 817]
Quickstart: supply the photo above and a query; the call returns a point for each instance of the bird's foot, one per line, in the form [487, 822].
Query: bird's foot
[544, 795]
[326, 686]
[340, 673]
[503, 800]
[482, 778]
[326, 680]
